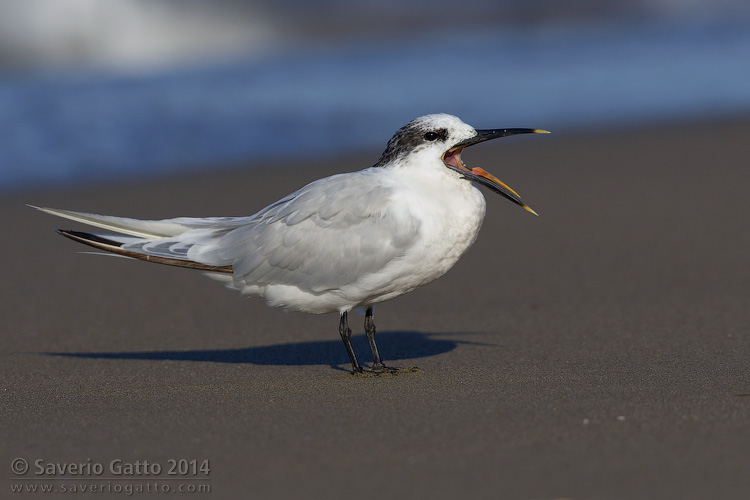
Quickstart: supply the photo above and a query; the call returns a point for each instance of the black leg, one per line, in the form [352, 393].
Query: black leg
[377, 363]
[346, 336]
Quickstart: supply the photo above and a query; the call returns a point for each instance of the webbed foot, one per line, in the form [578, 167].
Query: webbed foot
[387, 371]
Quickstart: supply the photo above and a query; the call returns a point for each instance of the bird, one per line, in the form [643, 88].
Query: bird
[347, 241]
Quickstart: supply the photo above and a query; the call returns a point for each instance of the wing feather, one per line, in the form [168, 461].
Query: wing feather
[329, 234]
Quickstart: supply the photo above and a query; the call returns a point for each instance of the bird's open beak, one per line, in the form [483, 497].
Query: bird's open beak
[452, 159]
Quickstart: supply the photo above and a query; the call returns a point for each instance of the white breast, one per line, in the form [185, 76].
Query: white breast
[450, 211]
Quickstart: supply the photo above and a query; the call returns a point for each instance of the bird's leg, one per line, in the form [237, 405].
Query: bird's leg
[377, 363]
[378, 368]
[346, 336]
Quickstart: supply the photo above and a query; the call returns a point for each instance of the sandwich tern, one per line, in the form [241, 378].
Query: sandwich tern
[344, 241]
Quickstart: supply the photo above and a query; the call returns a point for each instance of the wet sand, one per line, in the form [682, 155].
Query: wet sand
[600, 350]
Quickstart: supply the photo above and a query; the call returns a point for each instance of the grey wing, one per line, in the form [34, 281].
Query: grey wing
[326, 235]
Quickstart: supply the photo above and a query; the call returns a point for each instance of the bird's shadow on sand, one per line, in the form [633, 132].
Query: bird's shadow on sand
[393, 346]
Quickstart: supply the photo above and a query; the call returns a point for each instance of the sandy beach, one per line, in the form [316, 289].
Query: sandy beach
[599, 351]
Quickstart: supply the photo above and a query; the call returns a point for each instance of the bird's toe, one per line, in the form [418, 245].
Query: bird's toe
[387, 371]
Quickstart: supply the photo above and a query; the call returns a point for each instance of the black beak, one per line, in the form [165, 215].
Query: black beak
[486, 135]
[452, 159]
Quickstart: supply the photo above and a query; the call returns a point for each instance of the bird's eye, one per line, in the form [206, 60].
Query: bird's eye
[430, 136]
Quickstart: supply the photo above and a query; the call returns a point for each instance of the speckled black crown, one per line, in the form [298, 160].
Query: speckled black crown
[409, 138]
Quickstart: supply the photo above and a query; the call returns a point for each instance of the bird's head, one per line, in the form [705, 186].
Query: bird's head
[443, 136]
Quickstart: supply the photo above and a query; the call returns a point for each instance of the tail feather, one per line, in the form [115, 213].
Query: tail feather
[109, 244]
[150, 229]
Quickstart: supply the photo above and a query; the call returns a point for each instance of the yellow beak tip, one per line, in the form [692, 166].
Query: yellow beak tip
[540, 131]
[530, 210]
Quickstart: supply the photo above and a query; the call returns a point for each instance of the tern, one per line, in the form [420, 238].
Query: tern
[345, 241]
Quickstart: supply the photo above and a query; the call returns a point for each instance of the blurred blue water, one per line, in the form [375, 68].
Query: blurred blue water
[58, 128]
